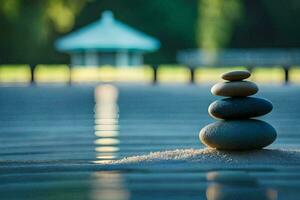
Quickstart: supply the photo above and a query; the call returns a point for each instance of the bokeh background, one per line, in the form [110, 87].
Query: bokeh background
[30, 27]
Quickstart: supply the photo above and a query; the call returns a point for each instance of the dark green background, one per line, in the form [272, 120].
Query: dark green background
[27, 37]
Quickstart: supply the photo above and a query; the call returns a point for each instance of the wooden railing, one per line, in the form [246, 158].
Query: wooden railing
[150, 74]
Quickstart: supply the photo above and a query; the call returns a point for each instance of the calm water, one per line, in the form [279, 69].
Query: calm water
[52, 139]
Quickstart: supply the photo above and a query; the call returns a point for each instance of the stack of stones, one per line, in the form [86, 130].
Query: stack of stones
[235, 130]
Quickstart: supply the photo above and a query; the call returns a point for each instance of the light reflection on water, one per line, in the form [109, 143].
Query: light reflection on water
[106, 123]
[108, 185]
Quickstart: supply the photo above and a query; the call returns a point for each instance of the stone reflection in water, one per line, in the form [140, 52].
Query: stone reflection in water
[234, 185]
[107, 185]
[106, 123]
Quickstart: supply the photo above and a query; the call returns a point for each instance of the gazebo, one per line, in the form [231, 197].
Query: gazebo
[107, 42]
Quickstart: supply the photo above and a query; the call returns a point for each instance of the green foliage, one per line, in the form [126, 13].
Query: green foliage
[28, 28]
[216, 22]
[62, 13]
[10, 8]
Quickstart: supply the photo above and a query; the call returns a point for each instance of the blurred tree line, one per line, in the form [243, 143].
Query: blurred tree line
[28, 28]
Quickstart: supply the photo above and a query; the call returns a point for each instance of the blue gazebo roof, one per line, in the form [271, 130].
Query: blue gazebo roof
[107, 34]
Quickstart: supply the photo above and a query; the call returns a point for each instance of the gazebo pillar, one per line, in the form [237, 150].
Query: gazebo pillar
[137, 59]
[76, 59]
[91, 58]
[122, 58]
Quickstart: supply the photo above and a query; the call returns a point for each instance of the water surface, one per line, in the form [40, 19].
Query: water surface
[55, 138]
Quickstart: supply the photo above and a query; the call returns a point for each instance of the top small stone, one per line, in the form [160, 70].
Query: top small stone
[237, 75]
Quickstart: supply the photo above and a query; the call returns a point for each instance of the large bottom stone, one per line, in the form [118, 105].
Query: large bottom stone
[249, 134]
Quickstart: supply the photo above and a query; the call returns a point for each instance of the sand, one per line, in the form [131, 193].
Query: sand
[214, 157]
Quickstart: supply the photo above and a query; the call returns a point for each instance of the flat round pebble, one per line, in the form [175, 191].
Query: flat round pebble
[239, 108]
[234, 89]
[237, 75]
[248, 134]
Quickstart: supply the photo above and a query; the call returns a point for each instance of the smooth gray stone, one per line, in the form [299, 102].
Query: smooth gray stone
[236, 75]
[234, 89]
[248, 134]
[239, 108]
